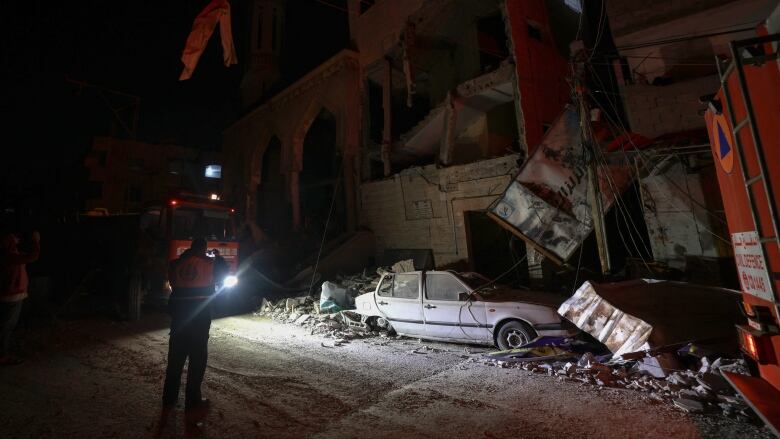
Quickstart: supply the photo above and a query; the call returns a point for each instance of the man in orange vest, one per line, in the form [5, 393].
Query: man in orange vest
[13, 288]
[194, 277]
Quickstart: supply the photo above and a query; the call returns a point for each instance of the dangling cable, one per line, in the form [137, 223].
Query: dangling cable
[327, 223]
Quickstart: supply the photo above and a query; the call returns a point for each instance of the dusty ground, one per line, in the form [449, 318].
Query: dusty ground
[99, 378]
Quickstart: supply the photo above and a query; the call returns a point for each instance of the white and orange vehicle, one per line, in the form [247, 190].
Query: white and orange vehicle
[174, 225]
[135, 250]
[742, 121]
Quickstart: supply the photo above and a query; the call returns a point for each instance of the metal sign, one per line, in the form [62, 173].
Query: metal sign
[724, 148]
[547, 203]
[751, 266]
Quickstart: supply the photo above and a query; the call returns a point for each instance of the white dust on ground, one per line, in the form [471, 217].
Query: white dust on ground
[98, 378]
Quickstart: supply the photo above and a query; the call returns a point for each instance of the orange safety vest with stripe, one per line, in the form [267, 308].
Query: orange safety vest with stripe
[192, 277]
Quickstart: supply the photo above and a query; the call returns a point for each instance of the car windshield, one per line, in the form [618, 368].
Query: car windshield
[210, 223]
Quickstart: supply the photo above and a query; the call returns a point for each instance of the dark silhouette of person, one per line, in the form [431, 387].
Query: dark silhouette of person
[194, 277]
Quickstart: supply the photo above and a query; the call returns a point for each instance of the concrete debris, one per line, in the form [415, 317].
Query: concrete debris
[652, 366]
[586, 360]
[403, 266]
[713, 383]
[689, 405]
[330, 316]
[699, 389]
[304, 311]
[334, 298]
[645, 314]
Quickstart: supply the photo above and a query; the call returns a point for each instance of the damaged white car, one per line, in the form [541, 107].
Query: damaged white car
[448, 306]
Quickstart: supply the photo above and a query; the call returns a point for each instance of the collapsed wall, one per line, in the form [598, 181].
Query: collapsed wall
[423, 207]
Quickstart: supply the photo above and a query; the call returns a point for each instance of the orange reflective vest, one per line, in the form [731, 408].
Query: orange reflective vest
[192, 276]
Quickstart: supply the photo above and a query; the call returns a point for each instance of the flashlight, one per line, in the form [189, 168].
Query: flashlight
[230, 281]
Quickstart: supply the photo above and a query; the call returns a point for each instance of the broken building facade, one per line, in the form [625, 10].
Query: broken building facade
[665, 76]
[417, 126]
[421, 123]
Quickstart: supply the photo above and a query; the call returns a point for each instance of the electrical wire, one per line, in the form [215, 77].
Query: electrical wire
[577, 272]
[600, 29]
[602, 163]
[673, 183]
[622, 209]
[339, 8]
[579, 22]
[327, 223]
[693, 201]
[680, 39]
[616, 122]
[470, 298]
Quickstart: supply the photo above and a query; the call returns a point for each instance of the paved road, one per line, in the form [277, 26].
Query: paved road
[98, 378]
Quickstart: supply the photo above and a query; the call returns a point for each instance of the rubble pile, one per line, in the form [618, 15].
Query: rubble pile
[330, 316]
[361, 283]
[305, 311]
[700, 389]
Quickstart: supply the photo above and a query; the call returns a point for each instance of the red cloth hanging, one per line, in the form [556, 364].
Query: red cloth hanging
[218, 11]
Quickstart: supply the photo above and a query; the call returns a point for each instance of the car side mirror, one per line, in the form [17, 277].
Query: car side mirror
[463, 297]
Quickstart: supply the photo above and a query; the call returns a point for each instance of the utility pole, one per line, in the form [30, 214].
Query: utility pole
[589, 148]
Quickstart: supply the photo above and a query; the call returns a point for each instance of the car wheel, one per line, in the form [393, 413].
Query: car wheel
[514, 334]
[380, 324]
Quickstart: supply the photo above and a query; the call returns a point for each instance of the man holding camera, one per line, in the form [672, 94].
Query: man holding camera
[193, 277]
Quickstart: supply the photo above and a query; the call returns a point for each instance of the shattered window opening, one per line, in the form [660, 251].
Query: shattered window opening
[442, 287]
[406, 286]
[385, 287]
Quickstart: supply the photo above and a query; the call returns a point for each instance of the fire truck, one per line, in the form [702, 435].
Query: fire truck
[743, 124]
[132, 252]
[172, 228]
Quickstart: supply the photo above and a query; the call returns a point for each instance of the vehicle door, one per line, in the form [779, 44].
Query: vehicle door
[447, 312]
[398, 298]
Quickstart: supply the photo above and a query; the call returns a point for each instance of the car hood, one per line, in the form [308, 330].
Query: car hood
[512, 295]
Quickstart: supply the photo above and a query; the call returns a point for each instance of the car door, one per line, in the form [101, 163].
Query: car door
[446, 316]
[398, 298]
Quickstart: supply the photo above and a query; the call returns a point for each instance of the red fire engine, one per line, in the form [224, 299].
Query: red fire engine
[136, 249]
[176, 223]
[187, 216]
[742, 121]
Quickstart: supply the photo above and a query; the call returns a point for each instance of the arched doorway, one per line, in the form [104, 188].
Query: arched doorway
[319, 178]
[273, 212]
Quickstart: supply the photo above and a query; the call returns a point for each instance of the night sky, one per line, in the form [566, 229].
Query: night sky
[133, 47]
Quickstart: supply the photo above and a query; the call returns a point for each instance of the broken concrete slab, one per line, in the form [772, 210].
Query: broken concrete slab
[713, 382]
[689, 405]
[403, 266]
[643, 314]
[302, 319]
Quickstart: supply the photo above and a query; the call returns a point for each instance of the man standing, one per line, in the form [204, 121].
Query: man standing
[13, 288]
[193, 277]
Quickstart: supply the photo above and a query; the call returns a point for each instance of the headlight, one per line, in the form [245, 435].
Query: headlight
[230, 281]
